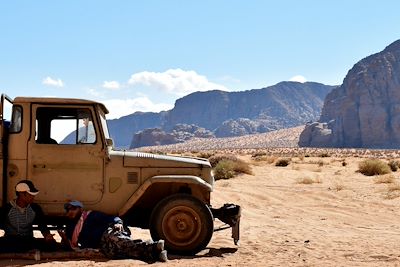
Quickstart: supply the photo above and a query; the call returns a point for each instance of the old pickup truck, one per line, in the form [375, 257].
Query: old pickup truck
[169, 195]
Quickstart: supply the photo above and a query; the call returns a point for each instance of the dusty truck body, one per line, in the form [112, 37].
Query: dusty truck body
[168, 195]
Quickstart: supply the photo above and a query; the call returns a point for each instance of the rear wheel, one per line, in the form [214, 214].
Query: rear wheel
[184, 222]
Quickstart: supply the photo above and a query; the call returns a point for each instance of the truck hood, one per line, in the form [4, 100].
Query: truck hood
[141, 159]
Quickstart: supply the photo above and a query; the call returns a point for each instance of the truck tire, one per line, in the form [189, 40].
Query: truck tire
[185, 223]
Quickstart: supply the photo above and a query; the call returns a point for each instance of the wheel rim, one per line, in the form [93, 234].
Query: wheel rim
[181, 226]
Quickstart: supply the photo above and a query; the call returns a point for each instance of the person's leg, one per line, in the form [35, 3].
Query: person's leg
[118, 245]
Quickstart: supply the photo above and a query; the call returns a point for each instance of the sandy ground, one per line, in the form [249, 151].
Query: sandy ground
[343, 218]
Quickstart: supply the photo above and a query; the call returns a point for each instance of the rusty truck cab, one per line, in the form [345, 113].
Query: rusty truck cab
[46, 143]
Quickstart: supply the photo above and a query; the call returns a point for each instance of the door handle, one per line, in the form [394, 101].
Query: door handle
[39, 166]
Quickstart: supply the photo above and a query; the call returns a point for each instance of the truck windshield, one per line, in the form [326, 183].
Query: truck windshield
[16, 119]
[104, 124]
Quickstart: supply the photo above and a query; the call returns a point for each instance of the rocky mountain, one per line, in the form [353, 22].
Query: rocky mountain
[286, 104]
[283, 105]
[123, 129]
[364, 112]
[179, 134]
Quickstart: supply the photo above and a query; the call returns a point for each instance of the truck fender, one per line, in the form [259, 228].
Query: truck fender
[187, 179]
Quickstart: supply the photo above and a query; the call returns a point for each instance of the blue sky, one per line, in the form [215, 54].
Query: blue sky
[143, 55]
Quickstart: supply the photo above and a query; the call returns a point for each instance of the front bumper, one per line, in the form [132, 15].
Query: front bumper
[230, 215]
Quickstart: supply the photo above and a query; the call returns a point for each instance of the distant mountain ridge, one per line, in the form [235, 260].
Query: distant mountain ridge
[284, 105]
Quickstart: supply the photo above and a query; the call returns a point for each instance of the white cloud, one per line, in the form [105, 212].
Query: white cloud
[113, 85]
[298, 78]
[94, 92]
[175, 81]
[53, 82]
[122, 107]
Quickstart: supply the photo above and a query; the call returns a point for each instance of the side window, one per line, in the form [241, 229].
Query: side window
[16, 119]
[63, 130]
[66, 126]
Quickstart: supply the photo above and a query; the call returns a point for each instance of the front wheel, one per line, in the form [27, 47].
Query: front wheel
[184, 222]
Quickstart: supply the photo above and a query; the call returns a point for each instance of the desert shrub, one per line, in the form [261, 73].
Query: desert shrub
[205, 155]
[282, 162]
[267, 159]
[338, 186]
[305, 180]
[344, 163]
[224, 170]
[319, 162]
[158, 152]
[262, 156]
[242, 167]
[308, 180]
[215, 159]
[270, 159]
[394, 165]
[385, 179]
[393, 191]
[370, 167]
[258, 154]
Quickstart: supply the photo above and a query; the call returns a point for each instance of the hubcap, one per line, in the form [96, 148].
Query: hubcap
[181, 226]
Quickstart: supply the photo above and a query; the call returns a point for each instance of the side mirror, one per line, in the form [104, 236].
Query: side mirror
[109, 142]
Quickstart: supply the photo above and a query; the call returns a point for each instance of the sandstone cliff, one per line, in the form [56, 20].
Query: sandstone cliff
[364, 112]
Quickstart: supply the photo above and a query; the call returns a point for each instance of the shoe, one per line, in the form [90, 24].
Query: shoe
[160, 245]
[156, 252]
[163, 257]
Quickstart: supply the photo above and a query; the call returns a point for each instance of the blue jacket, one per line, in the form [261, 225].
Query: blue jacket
[93, 228]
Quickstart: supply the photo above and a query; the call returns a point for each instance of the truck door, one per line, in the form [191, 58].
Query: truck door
[66, 155]
[5, 119]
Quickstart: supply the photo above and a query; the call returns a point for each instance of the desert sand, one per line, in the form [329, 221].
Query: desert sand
[317, 211]
[314, 212]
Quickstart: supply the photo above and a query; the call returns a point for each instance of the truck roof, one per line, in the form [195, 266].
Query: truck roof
[57, 100]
